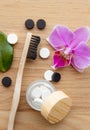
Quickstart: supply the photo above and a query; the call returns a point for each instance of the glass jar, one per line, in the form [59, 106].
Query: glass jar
[53, 105]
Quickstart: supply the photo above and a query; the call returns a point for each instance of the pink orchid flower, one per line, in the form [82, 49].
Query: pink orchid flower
[71, 47]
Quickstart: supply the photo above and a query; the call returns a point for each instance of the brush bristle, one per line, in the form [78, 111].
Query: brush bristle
[35, 39]
[32, 51]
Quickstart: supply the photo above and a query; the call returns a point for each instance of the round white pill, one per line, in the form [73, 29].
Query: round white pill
[37, 103]
[48, 75]
[44, 53]
[45, 94]
[36, 92]
[12, 38]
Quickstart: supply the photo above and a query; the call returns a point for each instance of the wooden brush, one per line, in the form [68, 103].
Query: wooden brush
[30, 40]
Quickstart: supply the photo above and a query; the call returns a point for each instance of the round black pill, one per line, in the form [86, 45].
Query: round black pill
[56, 77]
[41, 24]
[6, 81]
[29, 23]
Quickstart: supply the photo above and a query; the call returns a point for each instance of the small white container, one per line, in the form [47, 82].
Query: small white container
[53, 105]
[44, 86]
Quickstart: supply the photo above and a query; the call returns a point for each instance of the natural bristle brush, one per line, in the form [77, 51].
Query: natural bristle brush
[30, 50]
[32, 53]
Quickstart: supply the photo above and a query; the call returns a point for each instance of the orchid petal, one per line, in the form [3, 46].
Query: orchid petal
[78, 69]
[59, 61]
[60, 37]
[81, 34]
[81, 56]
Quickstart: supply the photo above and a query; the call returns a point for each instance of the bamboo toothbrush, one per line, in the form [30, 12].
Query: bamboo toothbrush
[16, 96]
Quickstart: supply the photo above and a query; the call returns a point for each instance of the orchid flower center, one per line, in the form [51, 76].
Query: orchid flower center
[66, 53]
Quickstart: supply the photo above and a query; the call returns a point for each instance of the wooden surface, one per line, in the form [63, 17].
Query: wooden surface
[67, 12]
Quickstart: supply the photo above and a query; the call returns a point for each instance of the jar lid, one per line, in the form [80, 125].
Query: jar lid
[56, 106]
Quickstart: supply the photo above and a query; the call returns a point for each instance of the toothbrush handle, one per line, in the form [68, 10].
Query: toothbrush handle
[17, 89]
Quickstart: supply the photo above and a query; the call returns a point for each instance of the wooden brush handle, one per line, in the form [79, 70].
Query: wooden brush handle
[17, 89]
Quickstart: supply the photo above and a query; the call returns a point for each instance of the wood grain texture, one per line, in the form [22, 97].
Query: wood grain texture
[73, 14]
[56, 107]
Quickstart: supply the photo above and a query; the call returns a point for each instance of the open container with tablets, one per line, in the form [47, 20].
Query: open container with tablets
[42, 96]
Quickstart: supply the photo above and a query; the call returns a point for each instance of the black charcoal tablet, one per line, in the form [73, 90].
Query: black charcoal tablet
[6, 81]
[29, 24]
[56, 77]
[41, 24]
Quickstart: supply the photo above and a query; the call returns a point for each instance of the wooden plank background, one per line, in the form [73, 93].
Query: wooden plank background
[71, 13]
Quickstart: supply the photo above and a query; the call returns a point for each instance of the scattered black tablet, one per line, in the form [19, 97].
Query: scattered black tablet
[29, 23]
[41, 24]
[6, 81]
[56, 77]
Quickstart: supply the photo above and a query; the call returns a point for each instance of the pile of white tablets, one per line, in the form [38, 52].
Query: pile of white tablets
[37, 94]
